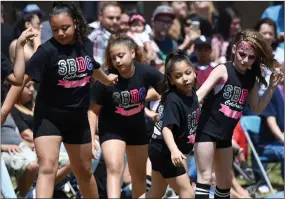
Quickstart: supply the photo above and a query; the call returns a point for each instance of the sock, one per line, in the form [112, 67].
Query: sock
[148, 182]
[202, 191]
[222, 193]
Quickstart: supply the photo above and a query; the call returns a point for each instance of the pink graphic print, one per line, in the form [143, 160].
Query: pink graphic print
[191, 139]
[229, 112]
[73, 84]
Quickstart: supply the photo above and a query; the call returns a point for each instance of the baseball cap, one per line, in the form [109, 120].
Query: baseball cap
[33, 8]
[203, 40]
[163, 10]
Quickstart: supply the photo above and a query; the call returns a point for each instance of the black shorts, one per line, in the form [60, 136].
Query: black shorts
[162, 163]
[72, 127]
[130, 137]
[204, 137]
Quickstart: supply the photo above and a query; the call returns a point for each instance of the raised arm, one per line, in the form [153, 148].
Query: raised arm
[220, 72]
[16, 78]
[259, 103]
[11, 98]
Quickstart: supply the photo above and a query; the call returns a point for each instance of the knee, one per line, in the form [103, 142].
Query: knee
[115, 168]
[48, 167]
[139, 175]
[84, 168]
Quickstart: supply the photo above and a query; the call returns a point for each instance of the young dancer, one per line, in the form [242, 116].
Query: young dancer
[174, 133]
[63, 65]
[122, 125]
[233, 84]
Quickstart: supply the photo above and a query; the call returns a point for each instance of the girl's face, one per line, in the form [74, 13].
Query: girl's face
[35, 23]
[267, 32]
[183, 77]
[63, 28]
[235, 26]
[122, 57]
[27, 93]
[244, 55]
[137, 27]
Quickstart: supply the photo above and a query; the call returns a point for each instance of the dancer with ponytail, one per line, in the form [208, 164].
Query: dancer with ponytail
[63, 65]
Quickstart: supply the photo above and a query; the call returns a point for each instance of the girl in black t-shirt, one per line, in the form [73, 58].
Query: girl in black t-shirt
[120, 111]
[174, 133]
[233, 84]
[63, 65]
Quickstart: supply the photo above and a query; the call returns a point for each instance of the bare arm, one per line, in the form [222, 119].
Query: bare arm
[17, 56]
[93, 113]
[16, 78]
[259, 103]
[152, 95]
[107, 80]
[11, 98]
[220, 72]
[274, 128]
[169, 139]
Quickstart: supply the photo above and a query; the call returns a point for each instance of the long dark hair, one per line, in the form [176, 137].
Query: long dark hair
[73, 10]
[19, 26]
[171, 59]
[264, 53]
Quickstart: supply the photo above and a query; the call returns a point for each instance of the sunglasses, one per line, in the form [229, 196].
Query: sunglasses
[244, 55]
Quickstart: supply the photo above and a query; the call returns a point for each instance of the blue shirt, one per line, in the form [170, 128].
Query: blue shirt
[275, 108]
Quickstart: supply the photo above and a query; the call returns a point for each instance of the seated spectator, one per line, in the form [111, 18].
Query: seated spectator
[270, 142]
[31, 17]
[19, 159]
[276, 13]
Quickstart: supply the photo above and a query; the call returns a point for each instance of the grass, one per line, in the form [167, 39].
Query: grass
[274, 175]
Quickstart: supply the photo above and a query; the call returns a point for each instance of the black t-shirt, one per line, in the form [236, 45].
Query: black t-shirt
[6, 67]
[222, 111]
[122, 105]
[64, 73]
[6, 70]
[23, 121]
[182, 112]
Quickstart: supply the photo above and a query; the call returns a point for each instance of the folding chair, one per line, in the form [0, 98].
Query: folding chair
[251, 126]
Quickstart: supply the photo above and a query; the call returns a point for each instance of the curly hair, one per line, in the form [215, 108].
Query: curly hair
[73, 10]
[122, 40]
[264, 52]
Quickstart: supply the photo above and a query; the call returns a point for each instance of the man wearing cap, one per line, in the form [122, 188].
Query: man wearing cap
[204, 66]
[162, 19]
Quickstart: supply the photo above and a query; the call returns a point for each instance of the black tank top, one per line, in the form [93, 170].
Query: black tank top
[222, 109]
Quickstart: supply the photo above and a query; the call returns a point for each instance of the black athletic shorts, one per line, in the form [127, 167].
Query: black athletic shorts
[204, 137]
[73, 127]
[129, 136]
[162, 163]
